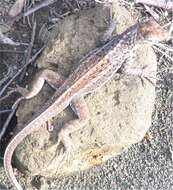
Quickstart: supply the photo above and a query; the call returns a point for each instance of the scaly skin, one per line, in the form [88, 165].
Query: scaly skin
[95, 69]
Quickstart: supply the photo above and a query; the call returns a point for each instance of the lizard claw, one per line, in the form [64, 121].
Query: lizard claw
[148, 75]
[148, 79]
[142, 80]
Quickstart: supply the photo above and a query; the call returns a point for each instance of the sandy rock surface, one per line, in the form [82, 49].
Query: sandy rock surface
[120, 111]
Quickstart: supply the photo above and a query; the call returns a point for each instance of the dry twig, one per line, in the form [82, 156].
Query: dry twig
[20, 71]
[11, 51]
[29, 49]
[14, 107]
[165, 4]
[5, 40]
[16, 8]
[44, 3]
[5, 111]
[9, 93]
[163, 53]
[7, 75]
[38, 6]
[152, 12]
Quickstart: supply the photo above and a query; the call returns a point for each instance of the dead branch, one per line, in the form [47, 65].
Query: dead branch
[5, 111]
[5, 40]
[7, 75]
[16, 8]
[11, 51]
[29, 49]
[38, 6]
[44, 3]
[165, 4]
[18, 89]
[14, 107]
[20, 71]
[152, 12]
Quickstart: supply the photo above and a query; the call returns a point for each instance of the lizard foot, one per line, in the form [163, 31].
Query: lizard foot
[65, 148]
[16, 89]
[66, 157]
[143, 73]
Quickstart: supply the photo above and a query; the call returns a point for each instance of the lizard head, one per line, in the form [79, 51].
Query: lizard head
[152, 31]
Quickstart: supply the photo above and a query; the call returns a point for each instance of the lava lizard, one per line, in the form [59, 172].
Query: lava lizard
[94, 70]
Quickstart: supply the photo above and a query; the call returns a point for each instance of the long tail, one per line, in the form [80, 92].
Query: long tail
[9, 153]
[9, 169]
[48, 111]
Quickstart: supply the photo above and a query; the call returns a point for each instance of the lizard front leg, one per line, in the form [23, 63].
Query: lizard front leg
[80, 108]
[144, 72]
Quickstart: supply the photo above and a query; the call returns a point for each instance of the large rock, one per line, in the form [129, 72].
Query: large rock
[120, 111]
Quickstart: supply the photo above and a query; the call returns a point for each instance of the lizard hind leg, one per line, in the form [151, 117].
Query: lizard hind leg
[80, 108]
[53, 78]
[144, 72]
